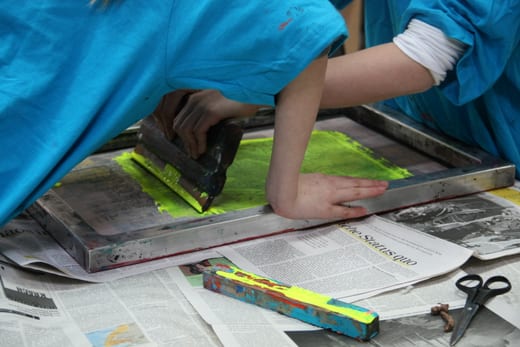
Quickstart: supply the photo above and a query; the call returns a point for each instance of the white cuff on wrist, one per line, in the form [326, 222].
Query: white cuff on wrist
[430, 47]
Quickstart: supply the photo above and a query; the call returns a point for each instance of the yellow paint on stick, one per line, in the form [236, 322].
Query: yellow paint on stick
[298, 294]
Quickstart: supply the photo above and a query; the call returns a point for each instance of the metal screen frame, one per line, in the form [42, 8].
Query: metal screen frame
[469, 171]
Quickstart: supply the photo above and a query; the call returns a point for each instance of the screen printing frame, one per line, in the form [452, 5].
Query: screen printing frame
[469, 170]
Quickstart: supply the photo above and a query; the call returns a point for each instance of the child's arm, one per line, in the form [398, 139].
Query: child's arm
[296, 195]
[373, 74]
[366, 76]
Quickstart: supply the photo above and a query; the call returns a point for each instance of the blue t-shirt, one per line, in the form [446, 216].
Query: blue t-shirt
[479, 101]
[73, 76]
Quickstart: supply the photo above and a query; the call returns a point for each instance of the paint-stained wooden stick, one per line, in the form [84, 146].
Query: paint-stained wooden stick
[310, 307]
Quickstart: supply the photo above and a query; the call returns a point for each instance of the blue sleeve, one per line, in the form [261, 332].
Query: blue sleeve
[251, 50]
[491, 31]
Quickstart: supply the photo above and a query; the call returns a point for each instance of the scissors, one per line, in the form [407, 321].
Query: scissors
[478, 293]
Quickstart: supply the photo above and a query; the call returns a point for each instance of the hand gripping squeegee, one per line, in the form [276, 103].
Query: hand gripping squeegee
[197, 181]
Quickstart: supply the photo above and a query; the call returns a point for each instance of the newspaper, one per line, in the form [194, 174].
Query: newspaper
[24, 242]
[352, 260]
[146, 310]
[238, 323]
[418, 298]
[150, 310]
[30, 314]
[155, 309]
[140, 311]
[487, 223]
[375, 262]
[405, 315]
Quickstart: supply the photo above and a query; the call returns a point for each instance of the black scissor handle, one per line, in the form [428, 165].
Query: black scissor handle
[470, 283]
[503, 285]
[478, 291]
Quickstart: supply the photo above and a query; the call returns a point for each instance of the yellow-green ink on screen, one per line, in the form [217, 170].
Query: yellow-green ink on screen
[329, 152]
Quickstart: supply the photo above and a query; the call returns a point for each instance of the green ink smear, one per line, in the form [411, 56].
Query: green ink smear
[329, 152]
[170, 176]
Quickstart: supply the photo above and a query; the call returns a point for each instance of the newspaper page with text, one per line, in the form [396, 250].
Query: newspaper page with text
[146, 310]
[351, 260]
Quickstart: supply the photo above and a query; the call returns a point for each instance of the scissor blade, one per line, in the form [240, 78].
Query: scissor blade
[470, 310]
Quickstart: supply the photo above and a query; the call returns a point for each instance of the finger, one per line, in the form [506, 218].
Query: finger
[345, 212]
[183, 126]
[188, 125]
[201, 118]
[181, 120]
[351, 190]
[168, 108]
[201, 134]
[354, 194]
[353, 182]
